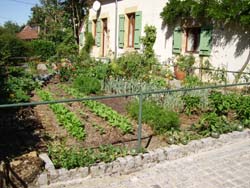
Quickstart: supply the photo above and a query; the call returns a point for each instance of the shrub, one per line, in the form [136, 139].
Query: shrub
[87, 85]
[159, 118]
[191, 104]
[43, 48]
[89, 42]
[212, 123]
[17, 86]
[130, 65]
[222, 103]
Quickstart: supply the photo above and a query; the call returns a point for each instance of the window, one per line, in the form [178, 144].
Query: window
[131, 29]
[130, 33]
[192, 39]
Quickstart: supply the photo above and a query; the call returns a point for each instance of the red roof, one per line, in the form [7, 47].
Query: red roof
[28, 33]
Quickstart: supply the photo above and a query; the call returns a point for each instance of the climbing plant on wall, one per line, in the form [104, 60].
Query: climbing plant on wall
[220, 11]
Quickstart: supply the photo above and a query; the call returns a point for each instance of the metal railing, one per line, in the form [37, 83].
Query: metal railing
[140, 95]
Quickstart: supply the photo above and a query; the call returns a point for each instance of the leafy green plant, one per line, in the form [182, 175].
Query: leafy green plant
[103, 111]
[191, 104]
[72, 157]
[177, 136]
[243, 109]
[86, 84]
[185, 63]
[212, 123]
[192, 81]
[159, 118]
[222, 103]
[89, 42]
[130, 65]
[148, 42]
[65, 117]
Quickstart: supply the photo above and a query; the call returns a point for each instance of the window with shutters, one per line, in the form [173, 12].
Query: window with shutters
[131, 30]
[193, 39]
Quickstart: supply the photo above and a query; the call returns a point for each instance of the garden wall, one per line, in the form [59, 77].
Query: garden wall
[128, 164]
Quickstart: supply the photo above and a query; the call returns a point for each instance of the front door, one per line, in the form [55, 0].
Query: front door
[104, 36]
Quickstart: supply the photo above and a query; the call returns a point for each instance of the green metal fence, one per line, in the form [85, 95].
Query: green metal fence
[140, 95]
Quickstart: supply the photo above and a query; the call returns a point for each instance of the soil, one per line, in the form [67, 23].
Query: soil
[21, 137]
[110, 135]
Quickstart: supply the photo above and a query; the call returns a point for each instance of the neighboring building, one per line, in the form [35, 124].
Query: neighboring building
[222, 46]
[29, 33]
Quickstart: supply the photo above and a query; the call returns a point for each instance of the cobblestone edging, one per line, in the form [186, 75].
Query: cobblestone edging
[130, 164]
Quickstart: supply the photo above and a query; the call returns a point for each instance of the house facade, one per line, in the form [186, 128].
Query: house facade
[223, 47]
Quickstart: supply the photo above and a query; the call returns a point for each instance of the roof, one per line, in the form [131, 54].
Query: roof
[28, 33]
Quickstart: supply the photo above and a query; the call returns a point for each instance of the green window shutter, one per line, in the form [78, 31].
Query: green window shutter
[81, 38]
[177, 40]
[98, 33]
[138, 24]
[90, 26]
[121, 30]
[205, 41]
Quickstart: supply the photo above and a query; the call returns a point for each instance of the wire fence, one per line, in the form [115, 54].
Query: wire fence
[141, 96]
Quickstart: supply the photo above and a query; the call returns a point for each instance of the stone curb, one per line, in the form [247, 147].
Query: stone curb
[128, 164]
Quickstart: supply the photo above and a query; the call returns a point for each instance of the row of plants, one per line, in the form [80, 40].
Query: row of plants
[64, 157]
[103, 111]
[65, 117]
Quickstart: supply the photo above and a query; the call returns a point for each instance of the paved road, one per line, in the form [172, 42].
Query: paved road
[225, 167]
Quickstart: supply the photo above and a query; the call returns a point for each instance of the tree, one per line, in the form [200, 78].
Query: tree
[54, 16]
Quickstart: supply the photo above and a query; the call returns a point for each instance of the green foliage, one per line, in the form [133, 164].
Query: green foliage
[87, 85]
[65, 117]
[159, 118]
[10, 46]
[212, 10]
[89, 42]
[243, 109]
[69, 158]
[192, 81]
[103, 111]
[221, 104]
[176, 136]
[68, 46]
[130, 65]
[185, 63]
[191, 104]
[148, 42]
[212, 123]
[17, 86]
[43, 48]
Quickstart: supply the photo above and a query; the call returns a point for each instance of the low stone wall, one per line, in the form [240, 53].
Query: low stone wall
[128, 164]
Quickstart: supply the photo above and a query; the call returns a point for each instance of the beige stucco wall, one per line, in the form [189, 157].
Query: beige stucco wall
[228, 50]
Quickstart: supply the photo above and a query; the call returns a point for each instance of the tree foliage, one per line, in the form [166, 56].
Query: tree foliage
[56, 16]
[220, 11]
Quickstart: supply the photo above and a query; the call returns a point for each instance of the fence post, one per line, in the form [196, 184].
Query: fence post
[139, 130]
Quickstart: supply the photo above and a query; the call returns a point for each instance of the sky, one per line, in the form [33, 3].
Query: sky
[17, 11]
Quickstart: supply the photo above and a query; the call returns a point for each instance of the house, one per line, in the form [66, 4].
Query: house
[29, 33]
[223, 47]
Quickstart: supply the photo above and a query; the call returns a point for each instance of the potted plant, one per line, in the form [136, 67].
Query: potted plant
[183, 66]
